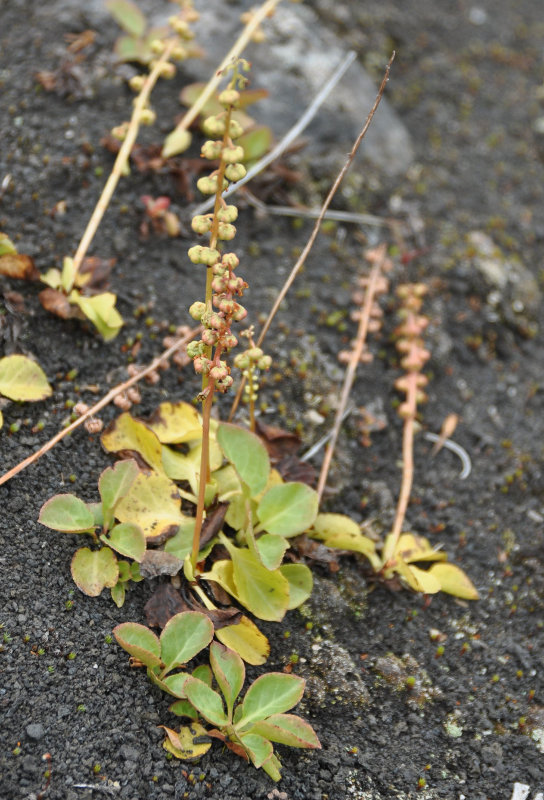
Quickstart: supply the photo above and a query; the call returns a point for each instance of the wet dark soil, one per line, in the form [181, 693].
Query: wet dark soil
[467, 86]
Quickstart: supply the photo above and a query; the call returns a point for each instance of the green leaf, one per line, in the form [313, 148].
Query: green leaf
[301, 582]
[176, 683]
[100, 310]
[287, 729]
[207, 702]
[139, 642]
[264, 593]
[113, 484]
[93, 570]
[181, 544]
[454, 581]
[184, 636]
[256, 142]
[127, 539]
[124, 571]
[128, 16]
[247, 454]
[96, 511]
[118, 593]
[258, 748]
[66, 513]
[229, 672]
[22, 379]
[7, 248]
[272, 693]
[176, 142]
[183, 708]
[288, 509]
[203, 673]
[272, 767]
[271, 549]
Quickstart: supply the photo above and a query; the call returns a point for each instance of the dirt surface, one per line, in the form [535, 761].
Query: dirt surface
[467, 86]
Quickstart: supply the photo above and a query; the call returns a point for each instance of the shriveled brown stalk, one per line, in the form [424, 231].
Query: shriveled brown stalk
[119, 389]
[122, 156]
[264, 11]
[410, 344]
[310, 243]
[378, 257]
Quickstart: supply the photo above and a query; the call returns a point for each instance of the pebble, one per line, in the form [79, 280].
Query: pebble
[35, 731]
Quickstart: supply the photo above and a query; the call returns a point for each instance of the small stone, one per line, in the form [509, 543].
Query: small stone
[35, 731]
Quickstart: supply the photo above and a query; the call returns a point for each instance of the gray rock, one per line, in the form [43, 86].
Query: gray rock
[35, 731]
[294, 62]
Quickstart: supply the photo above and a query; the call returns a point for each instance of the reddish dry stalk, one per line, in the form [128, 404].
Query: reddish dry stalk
[379, 259]
[310, 243]
[407, 469]
[204, 471]
[119, 389]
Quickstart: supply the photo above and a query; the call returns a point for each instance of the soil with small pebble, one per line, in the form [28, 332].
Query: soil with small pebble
[466, 219]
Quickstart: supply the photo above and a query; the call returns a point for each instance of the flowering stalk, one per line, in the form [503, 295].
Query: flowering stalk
[409, 343]
[220, 307]
[250, 362]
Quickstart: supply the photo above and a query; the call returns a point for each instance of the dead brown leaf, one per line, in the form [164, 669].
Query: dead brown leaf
[16, 265]
[57, 303]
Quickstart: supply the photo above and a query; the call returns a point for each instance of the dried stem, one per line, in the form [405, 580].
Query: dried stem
[122, 156]
[304, 255]
[119, 389]
[355, 357]
[204, 470]
[265, 10]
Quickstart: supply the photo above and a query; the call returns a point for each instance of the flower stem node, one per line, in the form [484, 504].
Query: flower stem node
[219, 372]
[229, 97]
[227, 214]
[232, 153]
[181, 27]
[196, 311]
[208, 184]
[240, 313]
[202, 365]
[230, 261]
[147, 116]
[211, 150]
[201, 223]
[157, 46]
[203, 255]
[235, 172]
[195, 349]
[210, 337]
[215, 126]
[136, 83]
[226, 232]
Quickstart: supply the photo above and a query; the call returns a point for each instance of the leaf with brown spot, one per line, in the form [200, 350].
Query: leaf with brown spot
[94, 273]
[15, 265]
[164, 603]
[57, 303]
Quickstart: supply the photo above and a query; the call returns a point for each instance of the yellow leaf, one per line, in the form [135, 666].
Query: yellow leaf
[417, 548]
[246, 640]
[326, 525]
[153, 503]
[186, 466]
[175, 423]
[68, 274]
[427, 583]
[128, 435]
[1, 419]
[22, 379]
[182, 745]
[52, 278]
[415, 578]
[101, 311]
[454, 581]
